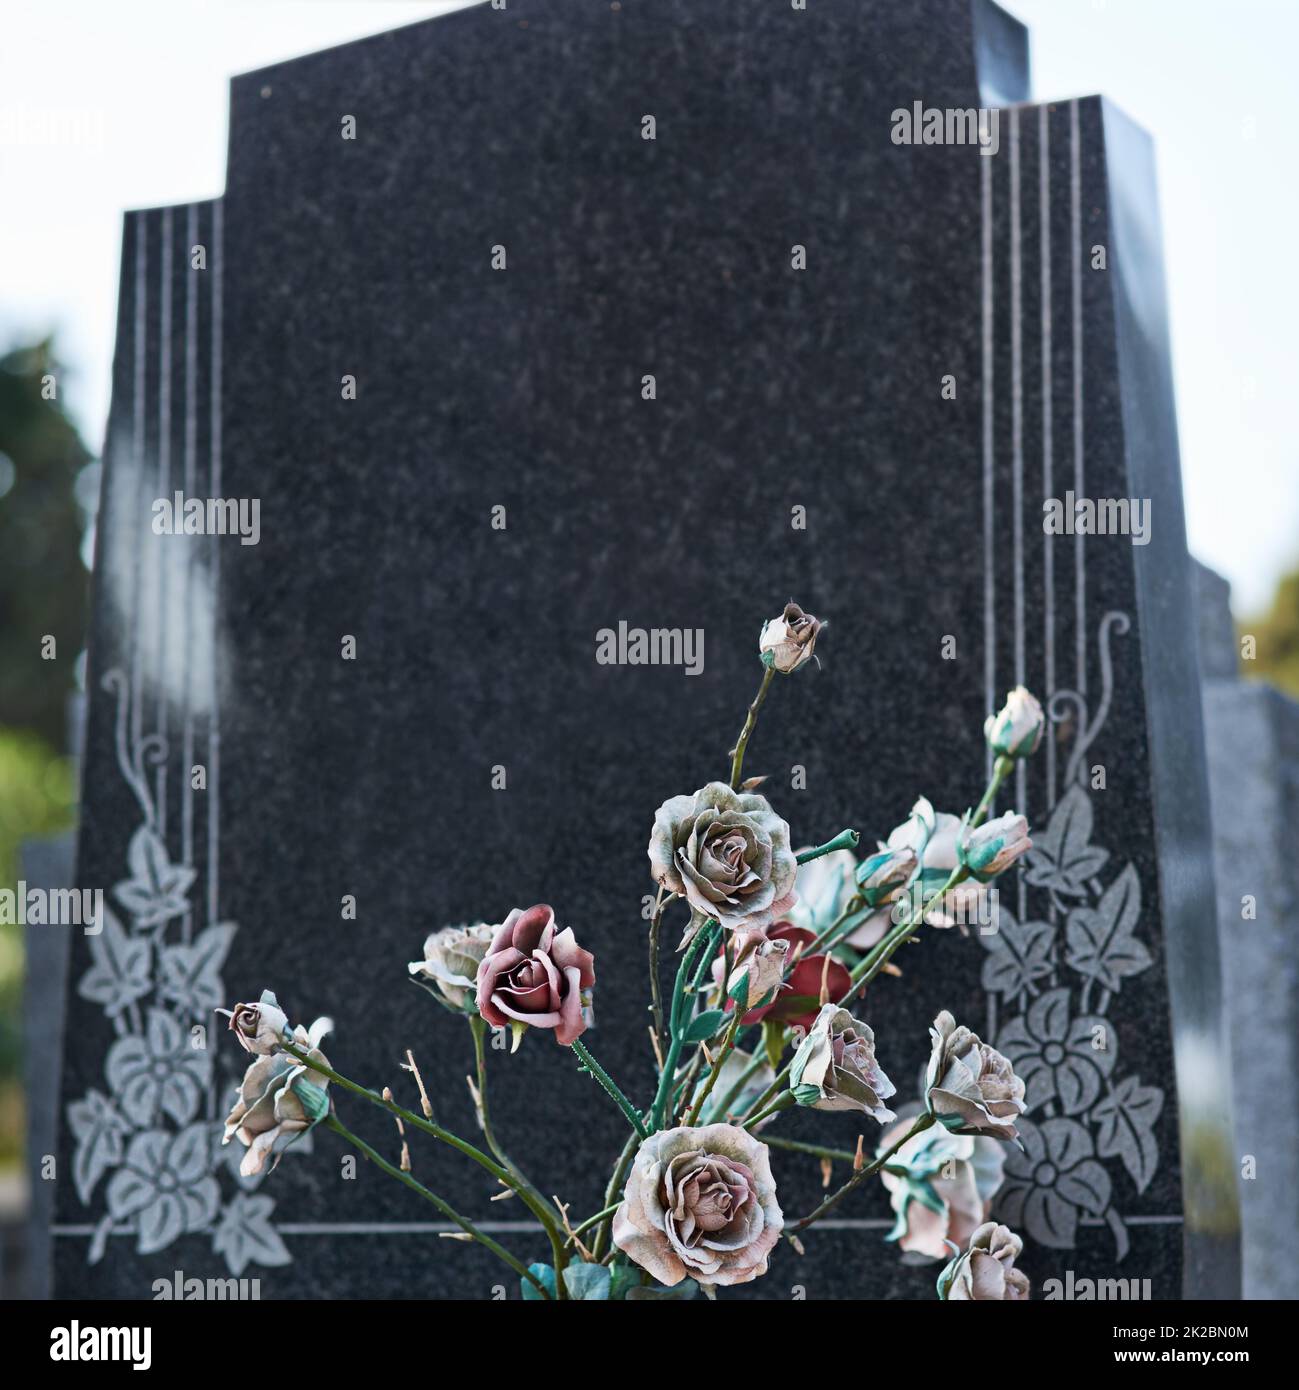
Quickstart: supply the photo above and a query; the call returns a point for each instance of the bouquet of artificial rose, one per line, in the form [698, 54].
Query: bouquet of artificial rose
[777, 946]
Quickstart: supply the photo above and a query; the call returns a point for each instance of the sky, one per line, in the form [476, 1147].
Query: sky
[109, 106]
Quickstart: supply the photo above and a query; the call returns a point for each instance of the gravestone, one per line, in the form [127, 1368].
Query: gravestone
[1252, 736]
[465, 221]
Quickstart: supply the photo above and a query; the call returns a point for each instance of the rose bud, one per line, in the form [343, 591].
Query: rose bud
[795, 1006]
[700, 1203]
[985, 1272]
[940, 1185]
[787, 642]
[727, 853]
[1016, 729]
[990, 849]
[279, 1100]
[880, 876]
[536, 975]
[972, 1082]
[260, 1027]
[451, 960]
[759, 975]
[835, 1067]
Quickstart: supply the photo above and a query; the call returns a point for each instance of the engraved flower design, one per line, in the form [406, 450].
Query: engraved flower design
[158, 1071]
[1058, 1057]
[165, 1185]
[1053, 1179]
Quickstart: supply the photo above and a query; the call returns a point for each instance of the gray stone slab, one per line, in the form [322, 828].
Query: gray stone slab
[523, 388]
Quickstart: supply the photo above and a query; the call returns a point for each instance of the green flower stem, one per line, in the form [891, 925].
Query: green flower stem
[599, 1216]
[605, 1080]
[541, 1210]
[782, 1102]
[799, 1147]
[656, 988]
[700, 952]
[721, 1107]
[835, 932]
[871, 965]
[1001, 769]
[613, 1193]
[751, 719]
[479, 1029]
[517, 1265]
[922, 1123]
[723, 1052]
[845, 839]
[768, 1094]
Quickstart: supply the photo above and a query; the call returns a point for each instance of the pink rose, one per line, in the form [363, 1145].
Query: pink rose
[535, 974]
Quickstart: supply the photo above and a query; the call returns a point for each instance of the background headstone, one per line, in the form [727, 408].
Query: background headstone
[524, 387]
[1252, 734]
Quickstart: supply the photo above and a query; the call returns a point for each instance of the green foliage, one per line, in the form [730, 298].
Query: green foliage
[1277, 635]
[43, 582]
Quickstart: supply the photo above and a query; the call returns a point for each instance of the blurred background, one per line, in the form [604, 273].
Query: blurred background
[110, 107]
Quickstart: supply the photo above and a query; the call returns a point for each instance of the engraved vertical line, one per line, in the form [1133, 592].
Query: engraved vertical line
[190, 465]
[162, 547]
[214, 725]
[137, 446]
[1048, 488]
[1017, 440]
[989, 577]
[1075, 213]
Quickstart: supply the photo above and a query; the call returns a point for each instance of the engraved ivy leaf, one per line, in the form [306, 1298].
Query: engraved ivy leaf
[1126, 1120]
[189, 976]
[1100, 940]
[100, 1131]
[1019, 955]
[120, 972]
[245, 1235]
[1063, 858]
[157, 888]
[158, 1071]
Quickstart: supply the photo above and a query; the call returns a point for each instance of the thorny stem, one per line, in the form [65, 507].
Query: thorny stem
[1001, 769]
[782, 1102]
[539, 1209]
[517, 1265]
[728, 1042]
[614, 1191]
[479, 1029]
[922, 1123]
[845, 839]
[656, 987]
[605, 1080]
[751, 719]
[701, 949]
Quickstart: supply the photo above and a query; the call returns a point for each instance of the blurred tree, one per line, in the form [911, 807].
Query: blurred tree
[43, 583]
[1277, 634]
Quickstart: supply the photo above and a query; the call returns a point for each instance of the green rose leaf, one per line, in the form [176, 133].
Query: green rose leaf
[687, 1288]
[547, 1277]
[587, 1282]
[705, 1026]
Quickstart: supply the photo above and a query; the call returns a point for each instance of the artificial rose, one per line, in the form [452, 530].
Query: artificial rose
[990, 849]
[727, 853]
[835, 1067]
[937, 832]
[279, 1099]
[1016, 729]
[451, 960]
[971, 1080]
[700, 1203]
[947, 1189]
[534, 974]
[759, 975]
[798, 1003]
[881, 875]
[260, 1027]
[787, 642]
[985, 1272]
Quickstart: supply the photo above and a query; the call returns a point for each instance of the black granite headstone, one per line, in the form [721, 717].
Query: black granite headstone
[499, 259]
